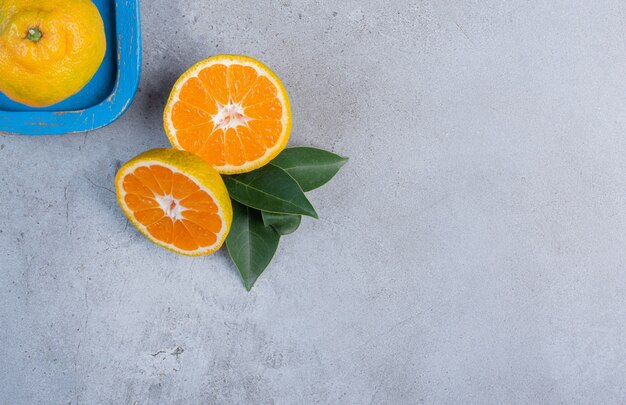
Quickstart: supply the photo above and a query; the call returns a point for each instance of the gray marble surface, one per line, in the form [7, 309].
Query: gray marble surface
[472, 251]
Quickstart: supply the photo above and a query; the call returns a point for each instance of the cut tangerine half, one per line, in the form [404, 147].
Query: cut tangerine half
[232, 111]
[176, 199]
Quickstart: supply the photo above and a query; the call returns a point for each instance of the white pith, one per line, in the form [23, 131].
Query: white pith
[171, 206]
[174, 212]
[227, 61]
[230, 115]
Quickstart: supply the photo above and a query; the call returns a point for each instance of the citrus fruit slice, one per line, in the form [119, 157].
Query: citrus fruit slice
[176, 199]
[230, 110]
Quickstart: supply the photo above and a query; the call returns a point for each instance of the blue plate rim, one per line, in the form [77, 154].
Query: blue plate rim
[127, 21]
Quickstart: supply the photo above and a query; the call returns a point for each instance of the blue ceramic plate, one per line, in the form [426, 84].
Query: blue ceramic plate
[105, 98]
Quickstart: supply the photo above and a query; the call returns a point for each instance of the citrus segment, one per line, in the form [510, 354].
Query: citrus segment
[230, 110]
[176, 199]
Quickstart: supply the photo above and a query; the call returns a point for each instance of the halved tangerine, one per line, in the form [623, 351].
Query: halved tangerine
[232, 111]
[176, 199]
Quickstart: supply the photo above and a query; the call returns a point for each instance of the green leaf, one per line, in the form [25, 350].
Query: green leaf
[269, 189]
[283, 224]
[250, 243]
[311, 167]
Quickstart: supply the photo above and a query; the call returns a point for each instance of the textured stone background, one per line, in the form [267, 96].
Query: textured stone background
[472, 251]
